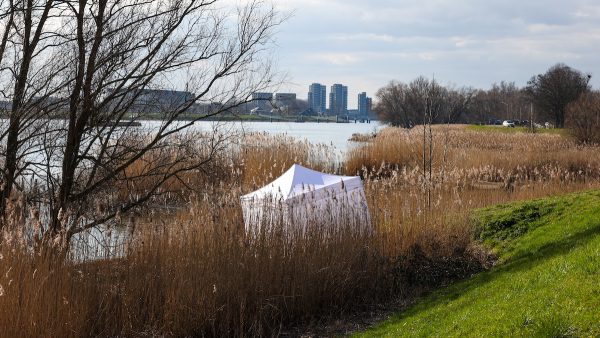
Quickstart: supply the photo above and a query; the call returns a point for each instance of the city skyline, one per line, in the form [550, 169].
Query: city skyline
[336, 102]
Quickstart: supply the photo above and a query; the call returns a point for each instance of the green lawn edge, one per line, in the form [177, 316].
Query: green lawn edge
[502, 129]
[547, 282]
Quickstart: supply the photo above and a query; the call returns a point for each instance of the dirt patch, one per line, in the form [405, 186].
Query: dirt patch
[414, 277]
[350, 323]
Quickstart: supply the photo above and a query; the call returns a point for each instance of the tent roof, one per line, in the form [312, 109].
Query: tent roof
[299, 180]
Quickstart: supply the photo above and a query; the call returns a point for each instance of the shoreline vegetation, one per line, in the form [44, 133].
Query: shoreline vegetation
[193, 271]
[234, 118]
[502, 129]
[544, 285]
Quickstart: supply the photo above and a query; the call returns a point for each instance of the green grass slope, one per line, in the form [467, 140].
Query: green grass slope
[502, 129]
[547, 282]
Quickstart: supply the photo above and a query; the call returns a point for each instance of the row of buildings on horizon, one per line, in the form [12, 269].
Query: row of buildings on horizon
[154, 102]
[338, 100]
[316, 104]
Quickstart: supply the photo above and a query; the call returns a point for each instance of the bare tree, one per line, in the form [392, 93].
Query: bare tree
[555, 89]
[404, 105]
[391, 105]
[426, 102]
[457, 104]
[111, 63]
[28, 82]
[583, 118]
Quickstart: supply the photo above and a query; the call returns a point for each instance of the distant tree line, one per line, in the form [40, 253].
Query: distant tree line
[546, 98]
[554, 90]
[406, 105]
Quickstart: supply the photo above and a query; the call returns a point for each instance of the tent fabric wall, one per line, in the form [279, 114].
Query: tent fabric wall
[302, 198]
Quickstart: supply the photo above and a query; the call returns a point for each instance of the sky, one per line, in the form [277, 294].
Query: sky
[366, 44]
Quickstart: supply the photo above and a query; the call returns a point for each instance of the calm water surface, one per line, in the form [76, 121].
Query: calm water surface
[331, 134]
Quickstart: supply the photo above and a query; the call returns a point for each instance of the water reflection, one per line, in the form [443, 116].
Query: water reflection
[102, 242]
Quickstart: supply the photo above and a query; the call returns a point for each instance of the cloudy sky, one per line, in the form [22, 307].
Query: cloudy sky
[366, 43]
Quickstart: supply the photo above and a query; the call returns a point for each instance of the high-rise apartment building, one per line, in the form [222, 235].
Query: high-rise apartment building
[338, 100]
[317, 98]
[364, 105]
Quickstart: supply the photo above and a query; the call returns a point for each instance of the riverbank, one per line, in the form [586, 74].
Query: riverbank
[131, 120]
[545, 285]
[262, 118]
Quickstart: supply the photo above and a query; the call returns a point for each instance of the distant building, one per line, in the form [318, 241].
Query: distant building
[51, 104]
[285, 99]
[151, 100]
[365, 104]
[338, 99]
[262, 96]
[5, 105]
[317, 98]
[163, 98]
[262, 100]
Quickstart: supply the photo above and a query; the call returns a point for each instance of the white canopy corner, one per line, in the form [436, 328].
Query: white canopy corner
[302, 197]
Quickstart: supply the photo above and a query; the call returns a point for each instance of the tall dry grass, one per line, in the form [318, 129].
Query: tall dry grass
[200, 276]
[262, 158]
[470, 170]
[194, 272]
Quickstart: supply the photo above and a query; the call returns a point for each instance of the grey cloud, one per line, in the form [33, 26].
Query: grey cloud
[470, 42]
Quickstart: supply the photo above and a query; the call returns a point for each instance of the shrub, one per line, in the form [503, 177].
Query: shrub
[583, 118]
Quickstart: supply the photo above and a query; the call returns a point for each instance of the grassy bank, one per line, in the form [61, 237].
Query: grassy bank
[470, 170]
[502, 129]
[546, 284]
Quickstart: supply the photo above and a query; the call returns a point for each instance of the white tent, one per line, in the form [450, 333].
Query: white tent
[302, 198]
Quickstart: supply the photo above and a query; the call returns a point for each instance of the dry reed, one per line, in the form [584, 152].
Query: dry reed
[194, 272]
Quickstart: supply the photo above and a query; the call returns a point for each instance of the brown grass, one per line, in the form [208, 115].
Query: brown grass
[262, 158]
[470, 170]
[199, 276]
[196, 273]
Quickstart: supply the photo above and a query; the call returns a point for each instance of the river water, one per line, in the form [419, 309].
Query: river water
[331, 134]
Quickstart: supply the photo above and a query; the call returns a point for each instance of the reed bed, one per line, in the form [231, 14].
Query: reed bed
[262, 158]
[469, 170]
[199, 276]
[196, 272]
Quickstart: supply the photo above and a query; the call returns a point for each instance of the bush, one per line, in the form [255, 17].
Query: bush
[583, 118]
